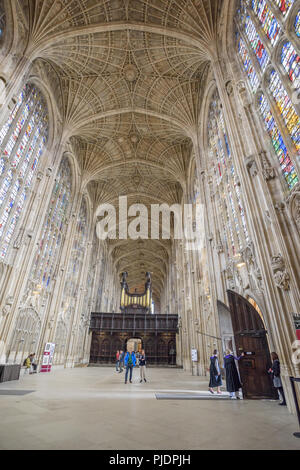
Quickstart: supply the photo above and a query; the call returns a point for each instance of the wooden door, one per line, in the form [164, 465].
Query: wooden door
[250, 338]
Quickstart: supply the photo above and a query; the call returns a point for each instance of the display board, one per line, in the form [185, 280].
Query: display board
[48, 357]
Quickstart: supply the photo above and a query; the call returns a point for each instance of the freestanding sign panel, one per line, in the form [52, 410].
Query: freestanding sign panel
[194, 355]
[48, 357]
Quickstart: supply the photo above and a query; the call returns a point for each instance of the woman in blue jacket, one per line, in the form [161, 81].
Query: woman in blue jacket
[130, 363]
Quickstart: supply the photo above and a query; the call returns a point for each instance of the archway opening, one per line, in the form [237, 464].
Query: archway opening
[134, 344]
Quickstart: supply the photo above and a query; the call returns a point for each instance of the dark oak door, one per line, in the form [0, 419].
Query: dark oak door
[250, 338]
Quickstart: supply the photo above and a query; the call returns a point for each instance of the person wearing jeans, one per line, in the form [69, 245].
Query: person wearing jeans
[130, 363]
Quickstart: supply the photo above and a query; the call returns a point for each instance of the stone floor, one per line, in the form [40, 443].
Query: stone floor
[91, 408]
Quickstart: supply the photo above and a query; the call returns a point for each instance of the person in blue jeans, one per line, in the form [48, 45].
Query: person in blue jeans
[130, 363]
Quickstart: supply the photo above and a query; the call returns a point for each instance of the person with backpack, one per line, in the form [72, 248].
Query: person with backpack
[130, 363]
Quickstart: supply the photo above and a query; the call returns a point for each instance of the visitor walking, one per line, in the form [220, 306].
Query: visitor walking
[130, 363]
[275, 371]
[142, 364]
[233, 383]
[215, 373]
[117, 360]
[121, 359]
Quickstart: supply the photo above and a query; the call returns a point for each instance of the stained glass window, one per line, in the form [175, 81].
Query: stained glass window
[76, 259]
[54, 227]
[268, 21]
[253, 78]
[297, 24]
[22, 141]
[290, 61]
[256, 44]
[286, 164]
[284, 5]
[232, 216]
[286, 108]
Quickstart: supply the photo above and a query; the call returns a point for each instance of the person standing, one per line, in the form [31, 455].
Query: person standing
[142, 364]
[117, 360]
[275, 370]
[130, 363]
[215, 373]
[121, 359]
[233, 383]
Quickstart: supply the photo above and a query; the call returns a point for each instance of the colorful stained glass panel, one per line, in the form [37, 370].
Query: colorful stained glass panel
[286, 108]
[285, 162]
[268, 21]
[256, 44]
[253, 78]
[284, 5]
[290, 61]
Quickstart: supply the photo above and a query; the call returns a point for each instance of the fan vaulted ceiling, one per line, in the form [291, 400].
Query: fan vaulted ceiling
[128, 77]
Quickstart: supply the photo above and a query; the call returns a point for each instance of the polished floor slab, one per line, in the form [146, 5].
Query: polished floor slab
[92, 408]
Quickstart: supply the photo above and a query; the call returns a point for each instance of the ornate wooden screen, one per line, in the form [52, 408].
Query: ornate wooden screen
[111, 331]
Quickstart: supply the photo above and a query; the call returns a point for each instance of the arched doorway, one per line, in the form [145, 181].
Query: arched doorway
[250, 337]
[134, 344]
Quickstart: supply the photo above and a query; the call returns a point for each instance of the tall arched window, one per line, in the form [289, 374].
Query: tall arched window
[88, 297]
[22, 141]
[253, 18]
[231, 214]
[54, 228]
[76, 259]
